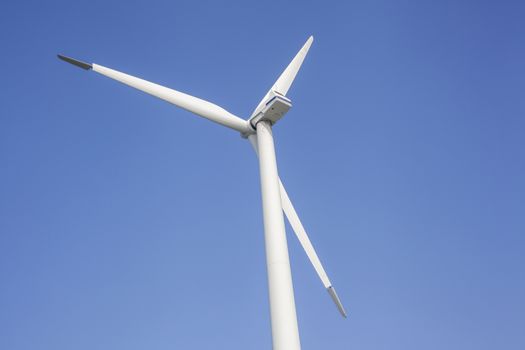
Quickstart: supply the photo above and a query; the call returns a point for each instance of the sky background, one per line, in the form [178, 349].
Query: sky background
[127, 223]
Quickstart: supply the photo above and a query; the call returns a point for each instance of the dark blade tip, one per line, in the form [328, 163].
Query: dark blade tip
[335, 298]
[77, 63]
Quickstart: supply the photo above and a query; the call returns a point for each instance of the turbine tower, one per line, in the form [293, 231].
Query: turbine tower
[258, 130]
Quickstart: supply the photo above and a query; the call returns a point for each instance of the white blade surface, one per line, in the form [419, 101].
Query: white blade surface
[285, 80]
[193, 104]
[190, 103]
[300, 232]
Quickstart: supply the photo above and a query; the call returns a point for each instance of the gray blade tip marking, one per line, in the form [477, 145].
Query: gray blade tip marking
[75, 62]
[336, 300]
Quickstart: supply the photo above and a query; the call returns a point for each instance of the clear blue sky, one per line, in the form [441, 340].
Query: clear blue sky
[126, 223]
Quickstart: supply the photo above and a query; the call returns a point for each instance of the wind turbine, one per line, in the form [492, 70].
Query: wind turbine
[258, 130]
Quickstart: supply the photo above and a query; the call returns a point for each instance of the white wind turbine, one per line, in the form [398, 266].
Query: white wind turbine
[258, 130]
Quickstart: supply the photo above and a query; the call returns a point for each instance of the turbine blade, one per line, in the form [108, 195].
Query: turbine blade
[300, 232]
[285, 80]
[190, 103]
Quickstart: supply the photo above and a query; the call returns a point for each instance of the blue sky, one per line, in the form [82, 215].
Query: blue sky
[126, 223]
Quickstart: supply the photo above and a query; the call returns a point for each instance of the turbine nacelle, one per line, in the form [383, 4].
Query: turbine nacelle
[276, 106]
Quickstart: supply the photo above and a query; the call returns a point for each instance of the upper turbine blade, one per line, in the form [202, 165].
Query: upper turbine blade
[300, 232]
[282, 85]
[190, 103]
[285, 80]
